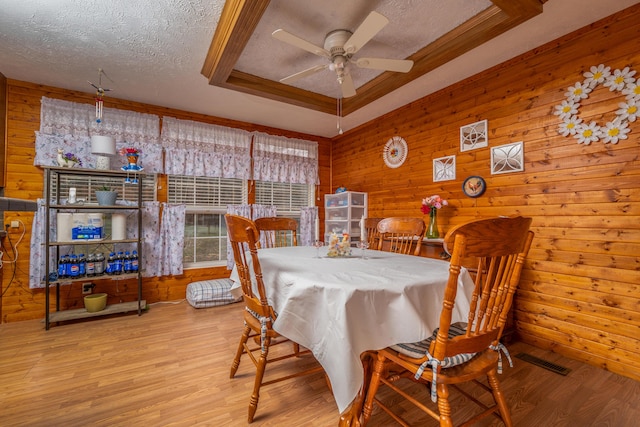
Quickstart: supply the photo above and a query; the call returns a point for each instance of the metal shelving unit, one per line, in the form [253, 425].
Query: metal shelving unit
[53, 203]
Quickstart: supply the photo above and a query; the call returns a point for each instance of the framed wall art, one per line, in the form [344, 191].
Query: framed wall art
[507, 158]
[444, 168]
[473, 136]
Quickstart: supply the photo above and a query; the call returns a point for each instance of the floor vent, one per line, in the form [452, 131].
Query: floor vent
[543, 363]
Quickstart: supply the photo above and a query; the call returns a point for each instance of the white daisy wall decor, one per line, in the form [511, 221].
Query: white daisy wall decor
[507, 158]
[473, 136]
[444, 169]
[622, 81]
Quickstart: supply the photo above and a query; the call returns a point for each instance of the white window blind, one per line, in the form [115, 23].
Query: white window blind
[206, 191]
[288, 198]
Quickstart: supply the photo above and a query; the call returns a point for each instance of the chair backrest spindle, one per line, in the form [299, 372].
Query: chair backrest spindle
[401, 235]
[277, 232]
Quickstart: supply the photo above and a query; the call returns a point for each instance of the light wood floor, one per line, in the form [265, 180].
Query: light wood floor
[170, 366]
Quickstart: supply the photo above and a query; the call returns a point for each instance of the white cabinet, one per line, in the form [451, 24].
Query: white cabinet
[343, 212]
[55, 178]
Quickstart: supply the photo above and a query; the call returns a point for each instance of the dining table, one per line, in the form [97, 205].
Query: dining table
[342, 307]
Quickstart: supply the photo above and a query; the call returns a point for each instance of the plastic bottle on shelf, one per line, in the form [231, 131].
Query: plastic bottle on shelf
[119, 262]
[91, 265]
[134, 262]
[111, 264]
[126, 263]
[73, 270]
[82, 265]
[99, 265]
[62, 267]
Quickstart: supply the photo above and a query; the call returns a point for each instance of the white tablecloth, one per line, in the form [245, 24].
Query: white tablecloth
[341, 307]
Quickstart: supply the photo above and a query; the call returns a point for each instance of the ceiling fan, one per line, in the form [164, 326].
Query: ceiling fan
[339, 48]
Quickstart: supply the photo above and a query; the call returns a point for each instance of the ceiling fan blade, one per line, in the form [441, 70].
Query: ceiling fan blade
[303, 73]
[348, 89]
[296, 41]
[397, 65]
[365, 32]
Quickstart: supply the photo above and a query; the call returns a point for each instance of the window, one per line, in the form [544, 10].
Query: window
[205, 242]
[289, 198]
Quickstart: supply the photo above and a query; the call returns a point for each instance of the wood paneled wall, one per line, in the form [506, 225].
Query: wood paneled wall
[25, 181]
[579, 294]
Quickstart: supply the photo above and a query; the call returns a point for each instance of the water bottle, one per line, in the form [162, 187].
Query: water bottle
[134, 261]
[82, 265]
[119, 262]
[99, 267]
[74, 269]
[62, 267]
[111, 264]
[91, 265]
[126, 263]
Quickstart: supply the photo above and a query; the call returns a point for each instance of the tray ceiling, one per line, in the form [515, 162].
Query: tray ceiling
[244, 56]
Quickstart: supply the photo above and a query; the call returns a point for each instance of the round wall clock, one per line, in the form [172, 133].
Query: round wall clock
[395, 152]
[474, 186]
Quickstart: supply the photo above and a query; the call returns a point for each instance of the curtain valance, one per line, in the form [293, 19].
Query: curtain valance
[202, 149]
[280, 159]
[69, 126]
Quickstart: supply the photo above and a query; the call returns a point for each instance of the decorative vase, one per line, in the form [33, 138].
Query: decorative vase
[432, 228]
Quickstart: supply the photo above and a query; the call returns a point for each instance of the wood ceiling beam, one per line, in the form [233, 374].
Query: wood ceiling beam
[240, 18]
[520, 8]
[237, 23]
[259, 86]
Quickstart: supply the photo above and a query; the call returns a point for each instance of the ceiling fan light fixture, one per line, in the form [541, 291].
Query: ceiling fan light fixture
[339, 46]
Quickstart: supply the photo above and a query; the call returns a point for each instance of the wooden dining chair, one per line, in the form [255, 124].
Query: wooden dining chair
[371, 228]
[258, 315]
[462, 352]
[401, 235]
[276, 232]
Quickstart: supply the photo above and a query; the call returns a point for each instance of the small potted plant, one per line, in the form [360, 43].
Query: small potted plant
[106, 196]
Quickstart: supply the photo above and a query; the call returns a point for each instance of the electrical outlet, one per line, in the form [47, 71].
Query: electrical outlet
[15, 224]
[87, 288]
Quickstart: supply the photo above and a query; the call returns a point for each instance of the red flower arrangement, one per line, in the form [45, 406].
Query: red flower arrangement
[129, 151]
[431, 203]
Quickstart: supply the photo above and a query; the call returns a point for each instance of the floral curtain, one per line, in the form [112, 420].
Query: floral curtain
[263, 211]
[308, 224]
[280, 159]
[248, 211]
[202, 149]
[171, 239]
[241, 210]
[151, 257]
[69, 126]
[37, 250]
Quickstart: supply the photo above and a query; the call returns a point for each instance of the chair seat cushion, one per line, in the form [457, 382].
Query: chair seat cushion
[418, 350]
[210, 293]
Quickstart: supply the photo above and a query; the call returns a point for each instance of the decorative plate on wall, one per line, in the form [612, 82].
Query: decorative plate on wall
[474, 186]
[395, 152]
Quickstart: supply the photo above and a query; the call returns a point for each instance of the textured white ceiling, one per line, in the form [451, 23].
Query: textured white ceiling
[397, 40]
[153, 50]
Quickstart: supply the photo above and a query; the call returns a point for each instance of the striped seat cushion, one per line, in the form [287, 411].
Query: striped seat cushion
[419, 349]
